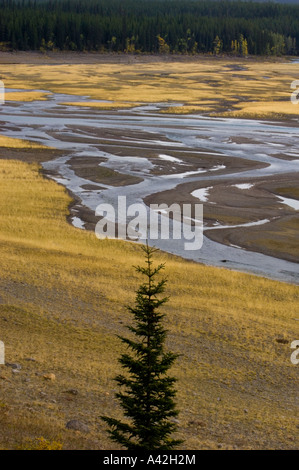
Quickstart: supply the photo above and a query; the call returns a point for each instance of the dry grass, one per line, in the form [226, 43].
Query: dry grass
[26, 96]
[242, 88]
[186, 109]
[104, 106]
[12, 143]
[62, 296]
[263, 109]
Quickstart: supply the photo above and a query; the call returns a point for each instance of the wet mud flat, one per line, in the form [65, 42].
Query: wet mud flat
[260, 216]
[244, 172]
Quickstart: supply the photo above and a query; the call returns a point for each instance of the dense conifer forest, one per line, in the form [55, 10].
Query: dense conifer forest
[151, 26]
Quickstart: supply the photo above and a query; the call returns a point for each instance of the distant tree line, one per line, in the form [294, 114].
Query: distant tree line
[150, 26]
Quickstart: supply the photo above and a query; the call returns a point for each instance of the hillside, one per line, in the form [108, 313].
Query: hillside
[62, 301]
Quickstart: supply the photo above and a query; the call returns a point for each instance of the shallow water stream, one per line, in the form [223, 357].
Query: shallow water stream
[74, 129]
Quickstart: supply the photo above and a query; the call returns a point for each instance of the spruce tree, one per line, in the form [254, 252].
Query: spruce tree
[146, 391]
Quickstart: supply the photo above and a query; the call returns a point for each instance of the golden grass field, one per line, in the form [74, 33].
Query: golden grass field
[12, 143]
[103, 106]
[63, 292]
[62, 301]
[221, 86]
[26, 96]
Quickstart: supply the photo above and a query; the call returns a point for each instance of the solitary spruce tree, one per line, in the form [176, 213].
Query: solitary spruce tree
[147, 396]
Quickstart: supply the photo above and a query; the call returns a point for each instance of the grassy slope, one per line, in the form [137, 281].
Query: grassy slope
[62, 296]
